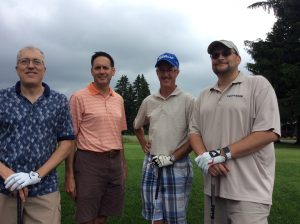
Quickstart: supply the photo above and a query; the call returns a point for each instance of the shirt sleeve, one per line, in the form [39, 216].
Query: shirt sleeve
[65, 128]
[140, 119]
[266, 111]
[77, 109]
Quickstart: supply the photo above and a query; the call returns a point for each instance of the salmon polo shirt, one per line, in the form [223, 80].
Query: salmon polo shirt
[98, 120]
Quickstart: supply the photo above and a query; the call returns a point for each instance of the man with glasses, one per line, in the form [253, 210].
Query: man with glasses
[167, 169]
[36, 134]
[98, 179]
[233, 127]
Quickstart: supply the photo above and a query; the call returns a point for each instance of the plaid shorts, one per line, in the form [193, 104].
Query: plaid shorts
[174, 189]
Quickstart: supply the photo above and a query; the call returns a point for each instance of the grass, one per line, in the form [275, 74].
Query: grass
[286, 196]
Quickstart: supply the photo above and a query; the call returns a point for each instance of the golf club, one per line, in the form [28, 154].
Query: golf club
[19, 209]
[212, 200]
[156, 192]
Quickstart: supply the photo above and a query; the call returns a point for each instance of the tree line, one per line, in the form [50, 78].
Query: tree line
[278, 59]
[133, 95]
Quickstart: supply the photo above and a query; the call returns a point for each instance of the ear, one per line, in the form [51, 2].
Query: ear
[239, 59]
[114, 70]
[177, 72]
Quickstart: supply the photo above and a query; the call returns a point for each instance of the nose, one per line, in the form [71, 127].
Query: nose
[30, 64]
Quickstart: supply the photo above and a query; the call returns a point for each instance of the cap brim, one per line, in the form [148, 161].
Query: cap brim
[169, 62]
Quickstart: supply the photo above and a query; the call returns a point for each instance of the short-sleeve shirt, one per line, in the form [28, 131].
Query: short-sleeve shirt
[98, 120]
[168, 120]
[29, 133]
[248, 105]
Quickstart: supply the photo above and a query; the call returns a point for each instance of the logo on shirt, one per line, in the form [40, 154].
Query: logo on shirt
[234, 95]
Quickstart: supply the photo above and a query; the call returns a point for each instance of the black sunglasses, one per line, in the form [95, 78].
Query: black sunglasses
[224, 53]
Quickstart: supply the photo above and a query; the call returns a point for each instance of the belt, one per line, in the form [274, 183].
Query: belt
[111, 153]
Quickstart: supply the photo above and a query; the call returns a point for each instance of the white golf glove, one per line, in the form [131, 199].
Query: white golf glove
[19, 180]
[162, 160]
[207, 159]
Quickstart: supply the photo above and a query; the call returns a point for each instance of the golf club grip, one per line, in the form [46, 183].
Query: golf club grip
[19, 209]
[158, 182]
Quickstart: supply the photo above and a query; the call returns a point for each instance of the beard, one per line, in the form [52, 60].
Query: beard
[223, 70]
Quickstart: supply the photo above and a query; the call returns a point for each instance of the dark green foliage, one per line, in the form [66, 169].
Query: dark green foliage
[133, 95]
[278, 57]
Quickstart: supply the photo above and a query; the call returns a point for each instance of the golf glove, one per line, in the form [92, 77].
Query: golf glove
[207, 159]
[162, 160]
[19, 180]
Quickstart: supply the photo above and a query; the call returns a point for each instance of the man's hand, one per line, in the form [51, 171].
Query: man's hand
[207, 159]
[162, 160]
[19, 180]
[70, 186]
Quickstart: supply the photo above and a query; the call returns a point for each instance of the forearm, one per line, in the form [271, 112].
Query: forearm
[5, 171]
[69, 163]
[182, 151]
[252, 143]
[56, 158]
[197, 144]
[139, 133]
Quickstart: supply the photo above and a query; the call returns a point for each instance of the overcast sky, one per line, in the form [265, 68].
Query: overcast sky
[134, 32]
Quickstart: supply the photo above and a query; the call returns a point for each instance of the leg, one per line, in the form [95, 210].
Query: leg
[90, 185]
[248, 212]
[98, 220]
[8, 209]
[148, 188]
[176, 184]
[101, 220]
[43, 209]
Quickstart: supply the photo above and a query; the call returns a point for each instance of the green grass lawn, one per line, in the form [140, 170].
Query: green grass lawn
[286, 196]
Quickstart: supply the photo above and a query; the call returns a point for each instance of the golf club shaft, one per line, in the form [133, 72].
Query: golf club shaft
[19, 209]
[156, 191]
[213, 201]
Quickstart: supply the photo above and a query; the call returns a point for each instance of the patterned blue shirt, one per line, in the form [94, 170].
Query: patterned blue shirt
[29, 133]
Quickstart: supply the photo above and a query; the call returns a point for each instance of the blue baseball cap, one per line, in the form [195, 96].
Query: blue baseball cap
[168, 57]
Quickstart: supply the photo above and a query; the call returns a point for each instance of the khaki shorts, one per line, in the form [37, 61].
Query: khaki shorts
[236, 212]
[36, 210]
[100, 184]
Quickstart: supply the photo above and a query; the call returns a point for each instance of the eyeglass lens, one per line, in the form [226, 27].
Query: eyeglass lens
[224, 53]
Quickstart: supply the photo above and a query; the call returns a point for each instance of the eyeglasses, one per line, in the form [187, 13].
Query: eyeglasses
[224, 53]
[26, 61]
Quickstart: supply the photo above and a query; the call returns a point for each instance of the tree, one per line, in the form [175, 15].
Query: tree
[133, 96]
[140, 91]
[124, 88]
[278, 57]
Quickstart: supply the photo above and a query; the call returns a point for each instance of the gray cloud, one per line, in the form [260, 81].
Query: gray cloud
[134, 33]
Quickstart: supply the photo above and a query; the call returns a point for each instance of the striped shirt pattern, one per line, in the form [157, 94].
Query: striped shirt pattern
[98, 120]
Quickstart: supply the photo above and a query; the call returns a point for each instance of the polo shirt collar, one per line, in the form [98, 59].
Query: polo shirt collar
[238, 80]
[177, 91]
[46, 92]
[94, 91]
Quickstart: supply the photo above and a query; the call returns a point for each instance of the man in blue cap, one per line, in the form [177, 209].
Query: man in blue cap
[167, 169]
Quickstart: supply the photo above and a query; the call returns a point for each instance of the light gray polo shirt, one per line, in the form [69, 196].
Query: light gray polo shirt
[248, 105]
[168, 118]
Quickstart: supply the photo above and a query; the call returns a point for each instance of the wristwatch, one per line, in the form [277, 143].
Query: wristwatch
[172, 158]
[226, 152]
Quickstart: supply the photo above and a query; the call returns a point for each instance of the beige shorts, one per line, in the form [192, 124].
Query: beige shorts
[40, 209]
[236, 212]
